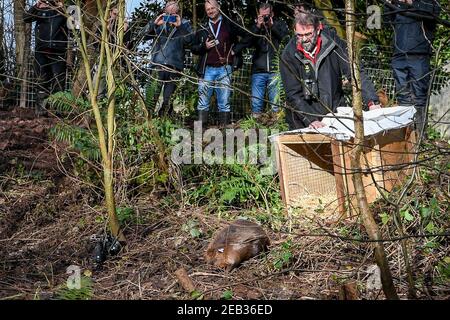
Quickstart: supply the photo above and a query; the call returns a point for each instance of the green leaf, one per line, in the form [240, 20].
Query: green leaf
[287, 256]
[163, 177]
[430, 227]
[408, 216]
[229, 195]
[195, 233]
[227, 295]
[434, 205]
[196, 295]
[191, 226]
[99, 219]
[287, 244]
[385, 218]
[431, 245]
[278, 264]
[425, 212]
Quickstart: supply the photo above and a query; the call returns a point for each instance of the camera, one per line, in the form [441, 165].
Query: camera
[266, 19]
[310, 89]
[169, 18]
[50, 2]
[211, 38]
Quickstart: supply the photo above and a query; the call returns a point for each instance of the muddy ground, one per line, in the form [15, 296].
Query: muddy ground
[50, 221]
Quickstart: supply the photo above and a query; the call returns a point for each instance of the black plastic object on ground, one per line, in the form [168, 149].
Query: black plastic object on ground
[107, 245]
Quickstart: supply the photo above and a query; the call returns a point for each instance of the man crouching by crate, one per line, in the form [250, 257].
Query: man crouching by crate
[313, 66]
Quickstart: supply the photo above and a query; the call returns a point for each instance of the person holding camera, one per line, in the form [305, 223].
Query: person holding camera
[214, 43]
[265, 37]
[171, 35]
[50, 48]
[312, 67]
[414, 24]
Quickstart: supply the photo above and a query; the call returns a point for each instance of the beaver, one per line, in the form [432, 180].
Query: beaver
[239, 241]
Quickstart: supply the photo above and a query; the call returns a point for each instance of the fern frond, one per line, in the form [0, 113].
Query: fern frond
[78, 138]
[65, 102]
[151, 90]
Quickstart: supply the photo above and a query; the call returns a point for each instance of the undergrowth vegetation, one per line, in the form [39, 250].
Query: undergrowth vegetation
[219, 187]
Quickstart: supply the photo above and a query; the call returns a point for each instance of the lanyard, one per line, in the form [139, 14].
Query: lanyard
[215, 34]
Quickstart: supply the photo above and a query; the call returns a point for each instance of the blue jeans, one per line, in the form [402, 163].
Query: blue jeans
[261, 81]
[412, 79]
[216, 79]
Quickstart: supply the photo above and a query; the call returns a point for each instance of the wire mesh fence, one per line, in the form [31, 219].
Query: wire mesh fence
[376, 65]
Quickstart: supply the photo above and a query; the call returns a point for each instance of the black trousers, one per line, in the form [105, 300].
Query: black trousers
[167, 81]
[50, 69]
[412, 79]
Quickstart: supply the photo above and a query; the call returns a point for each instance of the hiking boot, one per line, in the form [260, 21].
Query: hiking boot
[224, 119]
[256, 115]
[203, 117]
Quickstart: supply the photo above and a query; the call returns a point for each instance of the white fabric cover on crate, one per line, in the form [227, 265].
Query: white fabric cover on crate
[340, 125]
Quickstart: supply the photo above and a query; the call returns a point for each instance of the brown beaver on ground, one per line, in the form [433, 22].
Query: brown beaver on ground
[236, 243]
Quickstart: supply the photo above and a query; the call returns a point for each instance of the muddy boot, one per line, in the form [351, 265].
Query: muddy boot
[203, 117]
[224, 119]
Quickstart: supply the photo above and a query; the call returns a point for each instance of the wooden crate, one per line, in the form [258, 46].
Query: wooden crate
[305, 166]
[314, 164]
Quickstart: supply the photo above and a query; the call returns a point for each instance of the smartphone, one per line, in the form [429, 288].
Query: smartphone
[170, 18]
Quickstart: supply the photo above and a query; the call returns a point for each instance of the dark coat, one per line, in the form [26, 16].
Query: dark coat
[330, 69]
[199, 47]
[265, 51]
[51, 28]
[170, 43]
[413, 34]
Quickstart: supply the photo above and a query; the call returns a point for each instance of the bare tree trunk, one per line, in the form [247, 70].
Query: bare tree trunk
[105, 133]
[21, 35]
[356, 156]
